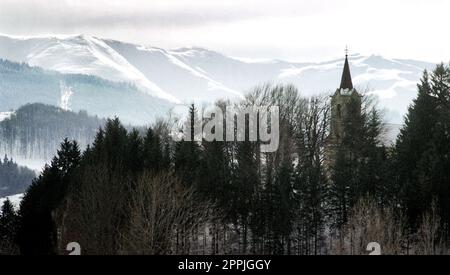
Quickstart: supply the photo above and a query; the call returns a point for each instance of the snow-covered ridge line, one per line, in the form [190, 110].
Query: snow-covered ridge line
[79, 54]
[28, 37]
[194, 73]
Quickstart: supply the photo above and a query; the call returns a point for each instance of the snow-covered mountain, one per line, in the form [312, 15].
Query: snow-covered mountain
[187, 74]
[21, 84]
[77, 55]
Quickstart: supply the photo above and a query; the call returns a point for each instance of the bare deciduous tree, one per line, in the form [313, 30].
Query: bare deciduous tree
[369, 223]
[165, 217]
[428, 238]
[94, 212]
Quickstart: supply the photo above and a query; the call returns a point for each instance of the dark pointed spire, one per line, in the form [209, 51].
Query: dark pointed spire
[346, 80]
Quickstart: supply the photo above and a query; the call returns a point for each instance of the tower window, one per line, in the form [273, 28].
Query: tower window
[339, 110]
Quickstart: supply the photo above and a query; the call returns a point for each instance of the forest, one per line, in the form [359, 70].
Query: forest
[22, 84]
[34, 131]
[141, 192]
[14, 179]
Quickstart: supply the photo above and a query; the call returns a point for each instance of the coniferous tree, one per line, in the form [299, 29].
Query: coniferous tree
[134, 153]
[375, 160]
[14, 179]
[421, 150]
[345, 182]
[37, 233]
[153, 151]
[246, 181]
[359, 165]
[411, 143]
[8, 228]
[284, 212]
[187, 153]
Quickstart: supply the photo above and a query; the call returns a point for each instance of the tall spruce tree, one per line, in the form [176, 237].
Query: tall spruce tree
[154, 157]
[413, 148]
[8, 228]
[37, 233]
[187, 153]
[423, 149]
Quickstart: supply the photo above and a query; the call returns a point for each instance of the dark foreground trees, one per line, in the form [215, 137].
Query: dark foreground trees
[9, 225]
[165, 217]
[423, 151]
[38, 229]
[139, 192]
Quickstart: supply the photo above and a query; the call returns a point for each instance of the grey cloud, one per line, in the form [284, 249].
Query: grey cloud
[51, 15]
[149, 19]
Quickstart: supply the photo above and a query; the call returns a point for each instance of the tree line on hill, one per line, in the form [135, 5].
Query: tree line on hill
[134, 193]
[22, 84]
[34, 131]
[14, 179]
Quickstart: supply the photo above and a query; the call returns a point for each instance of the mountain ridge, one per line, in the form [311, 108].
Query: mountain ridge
[22, 84]
[189, 74]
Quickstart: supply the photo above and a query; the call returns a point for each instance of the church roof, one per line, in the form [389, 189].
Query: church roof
[346, 80]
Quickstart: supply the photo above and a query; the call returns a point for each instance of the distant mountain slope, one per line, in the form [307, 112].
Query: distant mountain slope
[173, 74]
[14, 179]
[394, 82]
[21, 84]
[200, 74]
[35, 132]
[78, 55]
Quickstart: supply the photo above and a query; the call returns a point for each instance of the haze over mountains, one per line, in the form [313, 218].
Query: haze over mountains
[186, 74]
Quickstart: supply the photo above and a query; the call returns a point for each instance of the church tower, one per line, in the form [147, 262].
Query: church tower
[345, 108]
[345, 104]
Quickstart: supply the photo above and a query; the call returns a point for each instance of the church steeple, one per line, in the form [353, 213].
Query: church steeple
[345, 110]
[345, 104]
[346, 80]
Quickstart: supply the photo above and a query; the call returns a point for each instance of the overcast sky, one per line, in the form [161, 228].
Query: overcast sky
[297, 30]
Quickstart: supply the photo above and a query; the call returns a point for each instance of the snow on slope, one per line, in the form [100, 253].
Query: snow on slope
[66, 93]
[79, 54]
[190, 74]
[5, 115]
[15, 200]
[198, 72]
[173, 74]
[393, 81]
